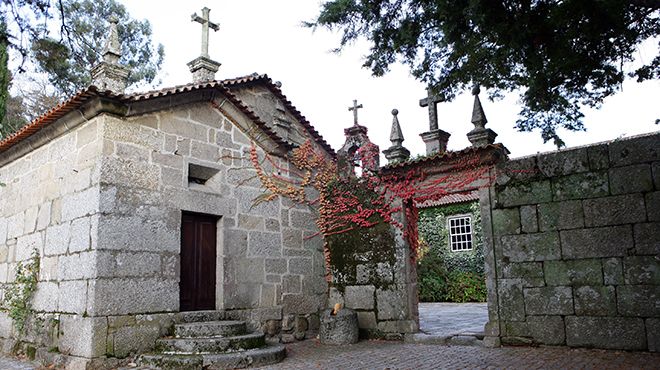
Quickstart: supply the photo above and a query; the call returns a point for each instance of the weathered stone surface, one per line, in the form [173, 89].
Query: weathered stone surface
[275, 265]
[595, 301]
[263, 244]
[605, 332]
[524, 193]
[367, 320]
[560, 215]
[391, 304]
[82, 336]
[642, 270]
[549, 301]
[77, 266]
[235, 242]
[528, 219]
[636, 150]
[598, 156]
[531, 247]
[631, 179]
[613, 271]
[615, 210]
[291, 284]
[597, 242]
[573, 272]
[339, 329]
[360, 297]
[302, 304]
[301, 265]
[134, 339]
[302, 220]
[25, 245]
[506, 221]
[134, 233]
[563, 162]
[653, 205]
[647, 238]
[292, 238]
[580, 186]
[511, 300]
[125, 264]
[45, 297]
[80, 235]
[653, 334]
[72, 296]
[131, 296]
[547, 329]
[638, 300]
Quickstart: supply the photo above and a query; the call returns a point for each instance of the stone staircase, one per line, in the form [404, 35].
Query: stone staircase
[203, 340]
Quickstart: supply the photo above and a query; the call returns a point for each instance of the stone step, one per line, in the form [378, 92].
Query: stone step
[200, 316]
[268, 355]
[210, 329]
[210, 345]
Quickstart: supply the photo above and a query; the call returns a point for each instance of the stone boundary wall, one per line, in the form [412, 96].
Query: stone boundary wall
[574, 242]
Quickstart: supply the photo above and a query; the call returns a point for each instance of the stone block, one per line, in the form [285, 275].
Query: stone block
[598, 157]
[625, 333]
[614, 210]
[291, 284]
[45, 297]
[391, 304]
[80, 204]
[82, 336]
[235, 242]
[166, 159]
[549, 301]
[642, 270]
[613, 271]
[360, 297]
[302, 220]
[72, 296]
[246, 203]
[653, 205]
[595, 301]
[528, 219]
[524, 193]
[47, 269]
[653, 334]
[561, 215]
[80, 235]
[275, 265]
[580, 186]
[292, 238]
[131, 296]
[43, 219]
[516, 329]
[596, 242]
[339, 329]
[301, 265]
[134, 339]
[302, 304]
[129, 173]
[263, 244]
[631, 179]
[249, 270]
[334, 297]
[159, 233]
[242, 295]
[563, 162]
[25, 245]
[3, 230]
[367, 320]
[77, 266]
[573, 272]
[125, 264]
[548, 330]
[30, 219]
[506, 221]
[638, 300]
[399, 326]
[511, 301]
[15, 225]
[647, 238]
[531, 247]
[249, 222]
[636, 150]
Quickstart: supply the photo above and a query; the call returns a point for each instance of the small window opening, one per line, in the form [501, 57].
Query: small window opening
[200, 174]
[460, 233]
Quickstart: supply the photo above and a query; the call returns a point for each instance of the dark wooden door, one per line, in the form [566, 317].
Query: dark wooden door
[198, 253]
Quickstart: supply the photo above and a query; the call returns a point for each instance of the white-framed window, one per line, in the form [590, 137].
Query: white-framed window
[460, 232]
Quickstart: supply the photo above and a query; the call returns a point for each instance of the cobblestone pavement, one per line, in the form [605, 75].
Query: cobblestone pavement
[445, 319]
[311, 354]
[7, 363]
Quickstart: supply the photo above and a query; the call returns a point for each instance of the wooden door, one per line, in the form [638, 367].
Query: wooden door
[198, 254]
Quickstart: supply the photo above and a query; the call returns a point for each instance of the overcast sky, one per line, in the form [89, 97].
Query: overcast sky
[265, 36]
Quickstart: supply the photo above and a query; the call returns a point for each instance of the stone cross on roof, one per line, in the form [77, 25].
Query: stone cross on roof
[112, 50]
[206, 24]
[432, 101]
[355, 108]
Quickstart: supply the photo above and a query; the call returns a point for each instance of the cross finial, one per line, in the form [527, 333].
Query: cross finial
[206, 24]
[431, 101]
[355, 108]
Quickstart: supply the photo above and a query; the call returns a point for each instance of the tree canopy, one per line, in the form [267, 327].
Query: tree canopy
[559, 55]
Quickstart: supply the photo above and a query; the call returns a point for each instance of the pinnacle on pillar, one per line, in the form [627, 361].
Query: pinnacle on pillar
[396, 153]
[480, 135]
[109, 74]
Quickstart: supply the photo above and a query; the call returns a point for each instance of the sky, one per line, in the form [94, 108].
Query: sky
[266, 36]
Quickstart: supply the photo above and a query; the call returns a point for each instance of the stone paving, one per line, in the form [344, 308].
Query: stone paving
[311, 354]
[446, 319]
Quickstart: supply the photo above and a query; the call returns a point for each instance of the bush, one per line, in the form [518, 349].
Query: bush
[466, 287]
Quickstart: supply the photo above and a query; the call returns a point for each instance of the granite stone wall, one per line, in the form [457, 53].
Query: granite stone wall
[50, 203]
[575, 246]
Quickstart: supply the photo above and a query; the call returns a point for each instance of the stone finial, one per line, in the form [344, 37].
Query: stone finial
[109, 74]
[357, 151]
[435, 139]
[396, 153]
[354, 109]
[203, 68]
[480, 135]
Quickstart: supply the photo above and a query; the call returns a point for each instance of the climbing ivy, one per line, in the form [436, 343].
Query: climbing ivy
[18, 296]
